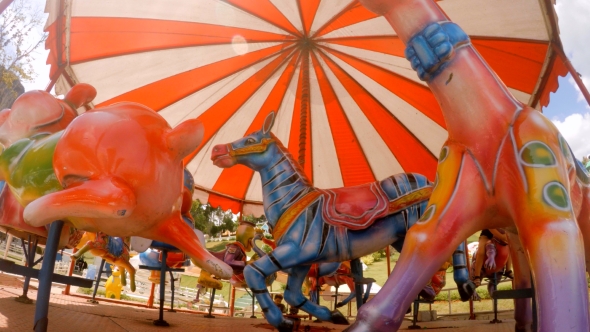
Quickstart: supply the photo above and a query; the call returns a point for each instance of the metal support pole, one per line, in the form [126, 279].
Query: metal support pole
[30, 252]
[160, 321]
[253, 304]
[172, 290]
[211, 304]
[416, 308]
[494, 282]
[45, 275]
[98, 277]
[356, 268]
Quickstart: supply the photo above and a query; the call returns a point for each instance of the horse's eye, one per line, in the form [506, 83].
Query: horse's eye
[250, 141]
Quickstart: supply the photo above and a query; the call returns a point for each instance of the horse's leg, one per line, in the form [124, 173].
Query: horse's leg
[465, 286]
[125, 265]
[256, 273]
[82, 250]
[295, 298]
[454, 213]
[522, 280]
[123, 275]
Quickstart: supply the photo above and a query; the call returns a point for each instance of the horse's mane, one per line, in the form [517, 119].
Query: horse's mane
[291, 160]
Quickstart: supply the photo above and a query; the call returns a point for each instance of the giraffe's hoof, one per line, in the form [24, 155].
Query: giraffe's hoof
[338, 318]
[286, 326]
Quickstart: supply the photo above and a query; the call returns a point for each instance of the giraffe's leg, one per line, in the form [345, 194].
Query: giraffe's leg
[555, 249]
[540, 203]
[583, 219]
[454, 213]
[522, 279]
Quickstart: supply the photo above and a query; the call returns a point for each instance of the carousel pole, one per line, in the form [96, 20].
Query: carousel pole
[150, 302]
[66, 291]
[232, 299]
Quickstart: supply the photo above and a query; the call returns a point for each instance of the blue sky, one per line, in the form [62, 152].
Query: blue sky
[567, 109]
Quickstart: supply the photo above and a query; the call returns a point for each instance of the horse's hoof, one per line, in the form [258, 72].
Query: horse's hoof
[286, 326]
[466, 290]
[338, 318]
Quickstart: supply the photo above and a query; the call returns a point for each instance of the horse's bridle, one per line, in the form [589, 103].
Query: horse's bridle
[254, 148]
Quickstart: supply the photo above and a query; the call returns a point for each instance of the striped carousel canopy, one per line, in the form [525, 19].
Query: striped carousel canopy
[349, 107]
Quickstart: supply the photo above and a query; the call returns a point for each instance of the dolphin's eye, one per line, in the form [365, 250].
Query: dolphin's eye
[250, 141]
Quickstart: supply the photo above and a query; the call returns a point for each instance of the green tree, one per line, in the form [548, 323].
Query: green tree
[255, 220]
[201, 213]
[20, 36]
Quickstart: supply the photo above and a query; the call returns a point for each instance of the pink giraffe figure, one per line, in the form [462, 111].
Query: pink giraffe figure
[504, 165]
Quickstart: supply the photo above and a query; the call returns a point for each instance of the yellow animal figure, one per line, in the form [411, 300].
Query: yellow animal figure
[113, 285]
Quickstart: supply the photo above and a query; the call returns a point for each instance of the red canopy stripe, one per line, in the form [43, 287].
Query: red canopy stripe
[517, 63]
[165, 92]
[382, 44]
[295, 131]
[350, 15]
[101, 37]
[413, 93]
[234, 181]
[307, 11]
[265, 10]
[218, 114]
[408, 150]
[556, 69]
[52, 44]
[354, 166]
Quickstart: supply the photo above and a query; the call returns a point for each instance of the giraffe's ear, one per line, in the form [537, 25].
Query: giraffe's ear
[268, 122]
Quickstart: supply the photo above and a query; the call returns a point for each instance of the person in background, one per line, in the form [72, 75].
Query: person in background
[484, 237]
[587, 162]
[278, 300]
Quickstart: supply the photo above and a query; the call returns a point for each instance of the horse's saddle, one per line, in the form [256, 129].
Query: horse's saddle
[355, 207]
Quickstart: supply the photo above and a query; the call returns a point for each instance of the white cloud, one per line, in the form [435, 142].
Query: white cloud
[574, 27]
[576, 131]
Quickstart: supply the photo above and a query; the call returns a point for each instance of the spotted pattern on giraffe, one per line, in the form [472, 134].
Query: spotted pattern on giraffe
[537, 154]
[555, 195]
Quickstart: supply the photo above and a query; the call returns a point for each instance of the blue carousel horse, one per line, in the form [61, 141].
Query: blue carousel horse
[312, 225]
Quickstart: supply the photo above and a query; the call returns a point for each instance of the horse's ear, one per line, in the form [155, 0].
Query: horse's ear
[268, 122]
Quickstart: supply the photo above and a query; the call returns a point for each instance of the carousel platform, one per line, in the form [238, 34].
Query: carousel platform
[73, 313]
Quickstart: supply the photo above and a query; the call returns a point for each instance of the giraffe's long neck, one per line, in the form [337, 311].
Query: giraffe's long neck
[474, 102]
[283, 183]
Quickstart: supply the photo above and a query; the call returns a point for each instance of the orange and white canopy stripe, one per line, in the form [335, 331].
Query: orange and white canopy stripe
[349, 105]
